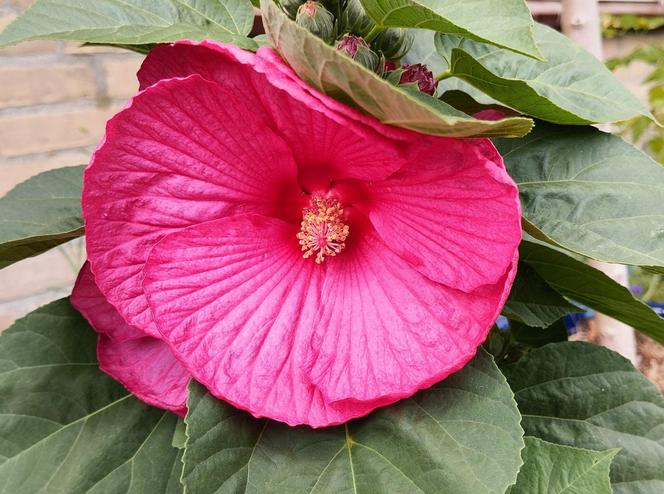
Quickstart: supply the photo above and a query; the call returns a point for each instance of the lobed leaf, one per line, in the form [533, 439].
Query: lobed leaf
[137, 22]
[555, 469]
[40, 213]
[461, 435]
[65, 426]
[570, 86]
[337, 75]
[510, 24]
[586, 396]
[589, 192]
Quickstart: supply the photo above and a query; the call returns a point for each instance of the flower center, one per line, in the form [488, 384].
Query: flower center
[322, 230]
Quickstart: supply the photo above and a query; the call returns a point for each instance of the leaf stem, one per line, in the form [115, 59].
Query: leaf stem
[375, 31]
[445, 74]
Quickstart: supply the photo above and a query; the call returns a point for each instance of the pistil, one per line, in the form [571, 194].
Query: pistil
[323, 231]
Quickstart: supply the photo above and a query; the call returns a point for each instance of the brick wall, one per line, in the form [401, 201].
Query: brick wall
[55, 98]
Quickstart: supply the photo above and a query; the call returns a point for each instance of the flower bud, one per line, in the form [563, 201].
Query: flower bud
[355, 20]
[358, 49]
[291, 6]
[316, 19]
[394, 42]
[420, 74]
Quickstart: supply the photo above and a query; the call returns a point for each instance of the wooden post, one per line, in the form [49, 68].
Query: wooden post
[580, 22]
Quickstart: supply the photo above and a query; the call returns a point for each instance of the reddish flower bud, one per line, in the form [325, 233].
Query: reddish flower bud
[420, 74]
[358, 49]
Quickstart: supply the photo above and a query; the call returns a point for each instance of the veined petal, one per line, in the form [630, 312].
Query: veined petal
[102, 316]
[144, 365]
[148, 369]
[236, 301]
[453, 212]
[385, 331]
[347, 144]
[185, 151]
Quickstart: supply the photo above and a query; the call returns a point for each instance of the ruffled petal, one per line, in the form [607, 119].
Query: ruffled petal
[144, 365]
[148, 369]
[185, 151]
[385, 331]
[236, 301]
[453, 212]
[347, 144]
[101, 315]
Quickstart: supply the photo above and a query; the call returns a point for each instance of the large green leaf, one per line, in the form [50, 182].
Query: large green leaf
[556, 469]
[505, 23]
[533, 302]
[40, 213]
[461, 435]
[589, 192]
[569, 87]
[342, 78]
[134, 23]
[586, 396]
[591, 287]
[65, 426]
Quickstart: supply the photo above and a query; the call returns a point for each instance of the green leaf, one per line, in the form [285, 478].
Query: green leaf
[134, 23]
[461, 435]
[555, 469]
[533, 302]
[589, 192]
[586, 396]
[65, 426]
[569, 87]
[589, 286]
[40, 213]
[505, 23]
[339, 76]
[535, 337]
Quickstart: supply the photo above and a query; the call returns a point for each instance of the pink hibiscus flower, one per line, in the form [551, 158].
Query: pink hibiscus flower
[301, 260]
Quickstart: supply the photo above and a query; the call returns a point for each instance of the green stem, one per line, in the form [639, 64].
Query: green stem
[445, 74]
[375, 31]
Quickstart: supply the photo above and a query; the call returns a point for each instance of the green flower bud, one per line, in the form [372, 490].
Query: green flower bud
[355, 20]
[291, 6]
[358, 49]
[394, 42]
[317, 20]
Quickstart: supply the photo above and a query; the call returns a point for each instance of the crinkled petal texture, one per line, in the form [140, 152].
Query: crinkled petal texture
[144, 365]
[192, 206]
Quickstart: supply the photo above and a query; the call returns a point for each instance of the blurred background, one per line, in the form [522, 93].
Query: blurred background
[55, 98]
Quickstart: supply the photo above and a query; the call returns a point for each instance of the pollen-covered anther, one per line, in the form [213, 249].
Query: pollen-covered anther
[322, 231]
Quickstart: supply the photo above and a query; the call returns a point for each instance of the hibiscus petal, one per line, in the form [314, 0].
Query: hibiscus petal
[386, 331]
[144, 365]
[236, 301]
[101, 315]
[453, 212]
[185, 151]
[347, 143]
[148, 369]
